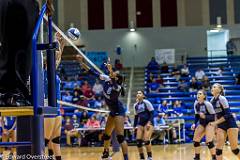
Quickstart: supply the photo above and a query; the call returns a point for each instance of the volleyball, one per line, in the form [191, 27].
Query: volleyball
[73, 34]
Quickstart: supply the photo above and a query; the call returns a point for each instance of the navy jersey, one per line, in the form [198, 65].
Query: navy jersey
[220, 103]
[58, 90]
[111, 92]
[207, 109]
[222, 109]
[9, 122]
[144, 113]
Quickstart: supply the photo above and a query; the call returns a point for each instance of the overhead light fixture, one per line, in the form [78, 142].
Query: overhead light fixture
[218, 27]
[132, 27]
[219, 22]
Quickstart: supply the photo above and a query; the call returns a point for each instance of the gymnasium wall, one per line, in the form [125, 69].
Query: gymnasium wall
[185, 30]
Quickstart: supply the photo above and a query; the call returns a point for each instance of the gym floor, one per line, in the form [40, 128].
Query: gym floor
[160, 152]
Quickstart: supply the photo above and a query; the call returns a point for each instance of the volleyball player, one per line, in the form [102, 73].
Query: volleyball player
[204, 114]
[144, 122]
[226, 124]
[52, 124]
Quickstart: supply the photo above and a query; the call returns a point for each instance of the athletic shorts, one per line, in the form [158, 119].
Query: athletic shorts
[230, 123]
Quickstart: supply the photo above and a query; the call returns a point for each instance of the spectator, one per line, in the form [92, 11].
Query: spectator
[99, 116]
[176, 72]
[238, 79]
[89, 94]
[92, 122]
[84, 118]
[70, 131]
[199, 74]
[118, 65]
[83, 101]
[205, 83]
[75, 122]
[85, 87]
[127, 121]
[67, 97]
[150, 78]
[154, 87]
[98, 88]
[159, 121]
[92, 136]
[231, 47]
[194, 85]
[183, 86]
[104, 121]
[153, 65]
[185, 71]
[177, 108]
[219, 71]
[78, 89]
[160, 81]
[98, 103]
[163, 108]
[76, 97]
[127, 132]
[164, 68]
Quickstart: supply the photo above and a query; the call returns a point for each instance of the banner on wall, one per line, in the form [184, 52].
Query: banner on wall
[165, 55]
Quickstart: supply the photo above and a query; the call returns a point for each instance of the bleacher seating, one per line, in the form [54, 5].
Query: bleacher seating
[171, 93]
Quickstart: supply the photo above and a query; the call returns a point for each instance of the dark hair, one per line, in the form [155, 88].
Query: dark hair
[204, 93]
[120, 81]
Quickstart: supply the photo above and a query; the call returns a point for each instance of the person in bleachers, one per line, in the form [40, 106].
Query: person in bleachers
[150, 79]
[103, 121]
[127, 123]
[175, 72]
[177, 108]
[164, 68]
[98, 102]
[153, 65]
[199, 74]
[185, 71]
[70, 131]
[99, 116]
[219, 71]
[163, 108]
[84, 118]
[231, 47]
[92, 122]
[89, 94]
[83, 101]
[76, 97]
[238, 79]
[118, 65]
[85, 86]
[78, 89]
[183, 86]
[92, 135]
[154, 87]
[160, 81]
[158, 121]
[205, 83]
[98, 88]
[76, 122]
[194, 85]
